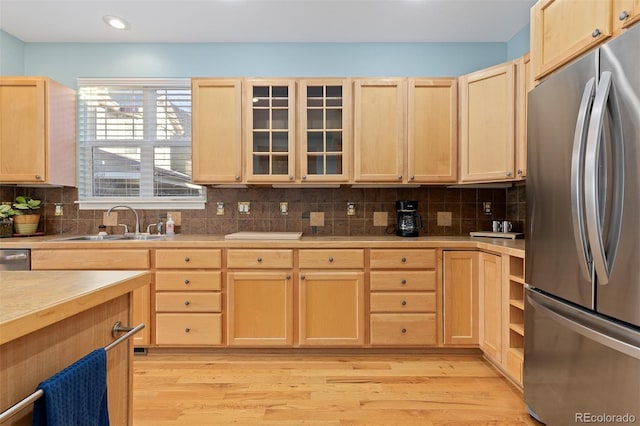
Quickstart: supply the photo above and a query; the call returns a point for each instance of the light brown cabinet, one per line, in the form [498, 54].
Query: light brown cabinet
[37, 132]
[524, 85]
[216, 130]
[513, 314]
[432, 130]
[625, 14]
[460, 298]
[403, 297]
[188, 299]
[562, 30]
[487, 124]
[490, 303]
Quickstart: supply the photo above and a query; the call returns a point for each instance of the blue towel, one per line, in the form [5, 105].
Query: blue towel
[75, 396]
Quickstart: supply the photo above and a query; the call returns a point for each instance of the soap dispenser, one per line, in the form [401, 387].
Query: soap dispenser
[170, 226]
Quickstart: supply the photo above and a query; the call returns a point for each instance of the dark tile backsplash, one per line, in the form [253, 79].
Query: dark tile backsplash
[465, 206]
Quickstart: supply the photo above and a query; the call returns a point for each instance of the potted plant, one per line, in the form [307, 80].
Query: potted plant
[25, 219]
[6, 224]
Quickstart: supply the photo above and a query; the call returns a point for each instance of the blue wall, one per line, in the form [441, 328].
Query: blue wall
[66, 62]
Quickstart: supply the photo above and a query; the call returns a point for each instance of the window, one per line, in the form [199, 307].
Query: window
[134, 140]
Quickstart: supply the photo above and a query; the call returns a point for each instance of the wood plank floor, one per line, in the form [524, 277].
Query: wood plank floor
[205, 389]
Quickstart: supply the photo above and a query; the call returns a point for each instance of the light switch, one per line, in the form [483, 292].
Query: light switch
[220, 208]
[284, 208]
[351, 209]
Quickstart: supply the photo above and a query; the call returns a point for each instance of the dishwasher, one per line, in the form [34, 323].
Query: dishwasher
[15, 259]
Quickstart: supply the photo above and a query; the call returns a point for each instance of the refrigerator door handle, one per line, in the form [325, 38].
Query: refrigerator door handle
[603, 257]
[589, 333]
[577, 178]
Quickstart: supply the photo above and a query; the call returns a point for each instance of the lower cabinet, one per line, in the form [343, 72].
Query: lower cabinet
[460, 298]
[491, 302]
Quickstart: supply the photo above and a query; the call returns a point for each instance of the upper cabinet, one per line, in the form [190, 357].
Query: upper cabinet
[487, 124]
[432, 125]
[216, 130]
[324, 122]
[37, 132]
[378, 131]
[524, 85]
[625, 13]
[561, 30]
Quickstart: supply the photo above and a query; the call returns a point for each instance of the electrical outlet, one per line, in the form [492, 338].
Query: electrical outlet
[284, 208]
[486, 208]
[59, 211]
[220, 208]
[244, 207]
[351, 209]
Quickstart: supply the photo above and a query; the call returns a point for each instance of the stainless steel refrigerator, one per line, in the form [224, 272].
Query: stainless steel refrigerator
[582, 304]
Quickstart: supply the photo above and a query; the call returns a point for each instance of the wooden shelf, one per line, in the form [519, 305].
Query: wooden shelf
[516, 278]
[518, 328]
[519, 352]
[517, 303]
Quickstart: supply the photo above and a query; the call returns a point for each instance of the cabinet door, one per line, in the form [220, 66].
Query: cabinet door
[331, 308]
[487, 124]
[141, 313]
[625, 14]
[460, 286]
[524, 85]
[22, 130]
[260, 309]
[378, 133]
[325, 138]
[490, 301]
[217, 130]
[432, 124]
[562, 30]
[270, 130]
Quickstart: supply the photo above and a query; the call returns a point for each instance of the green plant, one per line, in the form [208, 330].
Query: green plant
[25, 205]
[6, 211]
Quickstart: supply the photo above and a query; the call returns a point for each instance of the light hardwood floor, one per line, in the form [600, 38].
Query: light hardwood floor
[265, 389]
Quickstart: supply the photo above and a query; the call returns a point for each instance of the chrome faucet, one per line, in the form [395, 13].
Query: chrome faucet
[134, 212]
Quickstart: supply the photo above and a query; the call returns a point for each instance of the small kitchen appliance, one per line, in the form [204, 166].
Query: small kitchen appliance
[409, 220]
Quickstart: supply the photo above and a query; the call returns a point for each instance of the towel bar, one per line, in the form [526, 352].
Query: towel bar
[117, 328]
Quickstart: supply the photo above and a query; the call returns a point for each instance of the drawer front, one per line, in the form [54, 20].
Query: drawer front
[403, 329]
[188, 258]
[328, 259]
[398, 258]
[403, 302]
[189, 329]
[192, 301]
[403, 281]
[188, 280]
[260, 259]
[83, 259]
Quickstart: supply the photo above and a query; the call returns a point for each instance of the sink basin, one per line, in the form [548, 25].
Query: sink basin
[112, 237]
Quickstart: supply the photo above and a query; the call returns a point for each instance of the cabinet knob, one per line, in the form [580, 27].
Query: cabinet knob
[508, 174]
[304, 177]
[38, 177]
[289, 277]
[623, 15]
[187, 282]
[403, 330]
[519, 171]
[302, 277]
[403, 282]
[186, 330]
[290, 177]
[187, 303]
[330, 259]
[404, 303]
[187, 259]
[595, 33]
[236, 177]
[412, 177]
[403, 260]
[400, 177]
[259, 259]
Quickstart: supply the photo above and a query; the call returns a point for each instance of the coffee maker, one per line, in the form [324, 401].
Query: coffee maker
[409, 220]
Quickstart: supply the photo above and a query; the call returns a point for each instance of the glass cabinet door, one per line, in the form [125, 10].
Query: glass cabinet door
[270, 130]
[324, 120]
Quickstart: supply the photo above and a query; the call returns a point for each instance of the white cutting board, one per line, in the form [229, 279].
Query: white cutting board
[510, 235]
[264, 236]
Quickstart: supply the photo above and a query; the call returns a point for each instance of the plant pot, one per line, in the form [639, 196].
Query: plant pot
[26, 223]
[6, 228]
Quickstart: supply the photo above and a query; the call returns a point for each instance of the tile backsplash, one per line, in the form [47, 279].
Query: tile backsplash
[465, 205]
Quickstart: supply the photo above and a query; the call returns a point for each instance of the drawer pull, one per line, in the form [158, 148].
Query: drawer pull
[187, 282]
[186, 330]
[330, 259]
[404, 303]
[403, 281]
[403, 260]
[187, 259]
[302, 277]
[187, 303]
[259, 259]
[289, 277]
[623, 15]
[595, 33]
[403, 330]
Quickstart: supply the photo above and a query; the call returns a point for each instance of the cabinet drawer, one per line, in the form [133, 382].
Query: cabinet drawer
[188, 258]
[331, 258]
[192, 301]
[89, 259]
[188, 280]
[403, 329]
[189, 329]
[260, 259]
[403, 302]
[398, 258]
[403, 280]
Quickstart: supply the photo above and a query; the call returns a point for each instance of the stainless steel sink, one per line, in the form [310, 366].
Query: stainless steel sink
[120, 237]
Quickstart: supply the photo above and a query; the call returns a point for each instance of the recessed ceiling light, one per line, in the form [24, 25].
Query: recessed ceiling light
[115, 22]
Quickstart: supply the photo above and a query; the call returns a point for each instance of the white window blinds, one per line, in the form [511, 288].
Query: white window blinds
[135, 140]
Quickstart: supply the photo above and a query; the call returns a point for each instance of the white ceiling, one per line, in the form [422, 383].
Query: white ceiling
[188, 21]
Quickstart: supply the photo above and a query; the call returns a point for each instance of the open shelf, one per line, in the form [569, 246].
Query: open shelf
[518, 328]
[517, 303]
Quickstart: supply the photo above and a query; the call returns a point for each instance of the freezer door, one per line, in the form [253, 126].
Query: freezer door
[620, 297]
[578, 366]
[557, 259]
